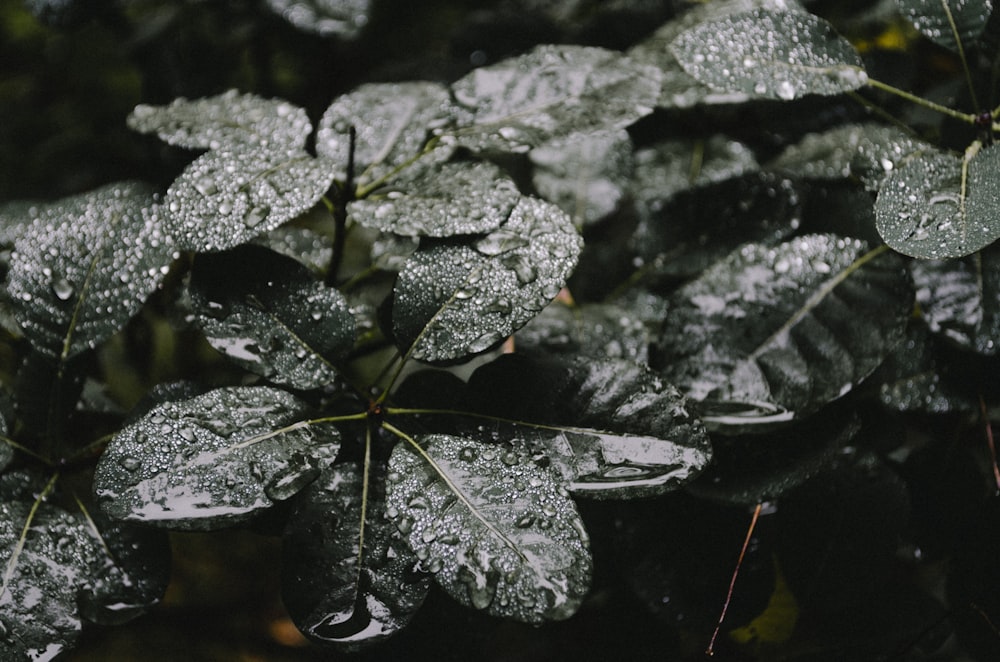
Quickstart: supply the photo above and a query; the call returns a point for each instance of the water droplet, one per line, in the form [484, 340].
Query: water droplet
[206, 186]
[256, 216]
[467, 454]
[129, 463]
[62, 288]
[785, 90]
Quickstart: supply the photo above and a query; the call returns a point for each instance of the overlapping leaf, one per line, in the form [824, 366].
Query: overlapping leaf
[270, 315]
[770, 54]
[953, 24]
[328, 18]
[773, 333]
[85, 265]
[495, 529]
[212, 460]
[593, 330]
[454, 300]
[349, 578]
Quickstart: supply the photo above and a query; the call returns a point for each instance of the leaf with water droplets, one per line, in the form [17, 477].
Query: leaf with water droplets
[327, 18]
[939, 205]
[441, 201]
[610, 428]
[769, 334]
[495, 529]
[212, 460]
[455, 300]
[225, 120]
[549, 92]
[393, 124]
[953, 24]
[85, 265]
[269, 314]
[770, 54]
[917, 378]
[230, 195]
[594, 330]
[348, 577]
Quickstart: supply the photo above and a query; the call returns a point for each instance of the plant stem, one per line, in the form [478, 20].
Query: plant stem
[732, 582]
[920, 101]
[345, 194]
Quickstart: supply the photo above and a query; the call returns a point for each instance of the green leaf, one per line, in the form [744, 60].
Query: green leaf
[393, 124]
[327, 18]
[953, 24]
[939, 205]
[496, 530]
[230, 195]
[610, 428]
[769, 334]
[85, 265]
[591, 329]
[270, 315]
[225, 121]
[915, 378]
[441, 201]
[212, 460]
[348, 576]
[551, 92]
[454, 300]
[770, 54]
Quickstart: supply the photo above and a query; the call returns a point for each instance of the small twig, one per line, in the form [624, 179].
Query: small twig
[710, 651]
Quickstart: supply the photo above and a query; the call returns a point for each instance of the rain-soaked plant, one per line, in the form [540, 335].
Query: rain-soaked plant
[732, 288]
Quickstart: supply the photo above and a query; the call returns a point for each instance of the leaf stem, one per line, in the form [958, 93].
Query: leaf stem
[969, 118]
[345, 194]
[732, 582]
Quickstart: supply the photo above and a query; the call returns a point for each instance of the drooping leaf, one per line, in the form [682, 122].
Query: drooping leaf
[327, 18]
[269, 314]
[939, 205]
[393, 124]
[550, 92]
[349, 578]
[586, 175]
[770, 54]
[610, 428]
[454, 300]
[769, 334]
[212, 460]
[225, 121]
[230, 195]
[950, 23]
[592, 330]
[496, 530]
[441, 201]
[85, 265]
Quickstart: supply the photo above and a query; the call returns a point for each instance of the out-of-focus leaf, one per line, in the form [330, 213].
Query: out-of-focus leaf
[769, 334]
[551, 92]
[327, 18]
[441, 201]
[592, 330]
[307, 246]
[338, 589]
[770, 54]
[454, 300]
[496, 530]
[953, 24]
[671, 166]
[225, 121]
[85, 265]
[270, 315]
[913, 378]
[939, 205]
[232, 194]
[610, 428]
[212, 460]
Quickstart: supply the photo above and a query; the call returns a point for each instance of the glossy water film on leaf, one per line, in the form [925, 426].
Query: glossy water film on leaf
[327, 18]
[496, 530]
[85, 265]
[455, 300]
[348, 576]
[213, 460]
[953, 24]
[770, 54]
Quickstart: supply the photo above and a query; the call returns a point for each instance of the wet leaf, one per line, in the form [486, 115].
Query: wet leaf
[270, 315]
[953, 24]
[337, 593]
[229, 196]
[226, 120]
[302, 244]
[930, 209]
[769, 334]
[770, 54]
[327, 18]
[393, 121]
[551, 92]
[497, 531]
[586, 175]
[617, 430]
[960, 299]
[915, 379]
[85, 265]
[441, 201]
[668, 167]
[592, 330]
[455, 300]
[212, 460]
[15, 217]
